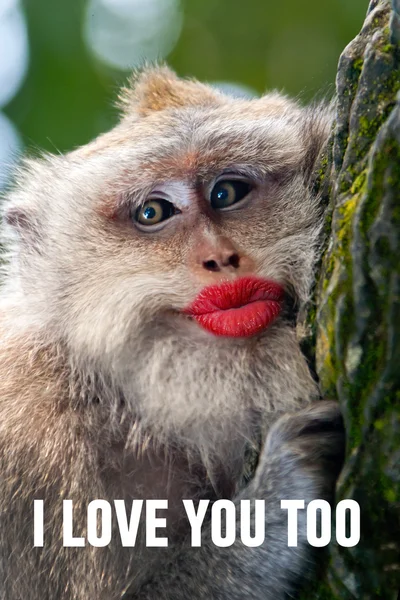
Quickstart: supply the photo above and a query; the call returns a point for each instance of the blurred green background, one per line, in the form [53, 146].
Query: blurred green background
[61, 61]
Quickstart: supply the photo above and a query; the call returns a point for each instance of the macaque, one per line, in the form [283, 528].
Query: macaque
[151, 285]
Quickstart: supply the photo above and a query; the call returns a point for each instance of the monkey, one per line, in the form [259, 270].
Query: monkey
[151, 283]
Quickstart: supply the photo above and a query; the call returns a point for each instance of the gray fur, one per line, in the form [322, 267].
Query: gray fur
[106, 391]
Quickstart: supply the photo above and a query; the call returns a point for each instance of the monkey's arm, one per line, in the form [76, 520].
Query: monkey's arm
[301, 460]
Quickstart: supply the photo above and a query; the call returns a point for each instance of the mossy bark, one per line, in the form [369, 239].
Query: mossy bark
[355, 319]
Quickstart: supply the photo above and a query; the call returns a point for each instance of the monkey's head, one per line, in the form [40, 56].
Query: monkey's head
[111, 243]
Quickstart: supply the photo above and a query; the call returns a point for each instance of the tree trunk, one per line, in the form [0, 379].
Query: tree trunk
[354, 321]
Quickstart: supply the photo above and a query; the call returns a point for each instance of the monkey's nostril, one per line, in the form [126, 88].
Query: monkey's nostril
[211, 265]
[216, 265]
[234, 261]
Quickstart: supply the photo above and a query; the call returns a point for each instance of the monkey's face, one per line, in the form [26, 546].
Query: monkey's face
[186, 202]
[200, 191]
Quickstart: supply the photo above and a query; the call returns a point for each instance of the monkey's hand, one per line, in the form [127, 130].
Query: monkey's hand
[303, 455]
[301, 460]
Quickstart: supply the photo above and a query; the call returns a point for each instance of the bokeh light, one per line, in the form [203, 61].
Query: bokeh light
[236, 90]
[14, 54]
[13, 49]
[10, 148]
[125, 33]
[80, 51]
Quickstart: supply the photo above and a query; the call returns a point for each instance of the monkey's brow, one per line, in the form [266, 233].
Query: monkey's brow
[204, 175]
[131, 196]
[125, 198]
[251, 171]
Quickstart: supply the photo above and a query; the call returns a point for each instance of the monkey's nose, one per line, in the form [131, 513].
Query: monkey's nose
[220, 261]
[217, 254]
[215, 258]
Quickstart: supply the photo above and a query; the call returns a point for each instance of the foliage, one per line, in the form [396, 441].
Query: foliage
[68, 95]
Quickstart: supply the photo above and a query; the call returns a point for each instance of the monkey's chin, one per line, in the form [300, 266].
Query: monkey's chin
[246, 321]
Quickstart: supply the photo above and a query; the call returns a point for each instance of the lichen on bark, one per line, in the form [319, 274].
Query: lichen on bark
[355, 318]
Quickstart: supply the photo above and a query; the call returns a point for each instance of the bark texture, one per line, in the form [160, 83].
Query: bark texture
[355, 319]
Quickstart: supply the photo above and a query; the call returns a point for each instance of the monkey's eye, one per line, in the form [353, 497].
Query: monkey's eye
[228, 192]
[153, 212]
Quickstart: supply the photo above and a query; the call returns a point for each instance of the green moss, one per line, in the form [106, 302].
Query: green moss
[358, 185]
[327, 373]
[366, 126]
[344, 222]
[328, 271]
[376, 184]
[390, 495]
[379, 424]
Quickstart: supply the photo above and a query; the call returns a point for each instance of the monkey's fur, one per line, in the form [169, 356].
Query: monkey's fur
[108, 391]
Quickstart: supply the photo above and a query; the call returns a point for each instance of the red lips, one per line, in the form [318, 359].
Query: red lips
[238, 308]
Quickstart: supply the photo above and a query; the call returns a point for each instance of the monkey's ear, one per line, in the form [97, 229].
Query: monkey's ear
[159, 88]
[23, 221]
[16, 217]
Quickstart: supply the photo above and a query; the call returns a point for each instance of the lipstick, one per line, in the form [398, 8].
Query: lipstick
[238, 308]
